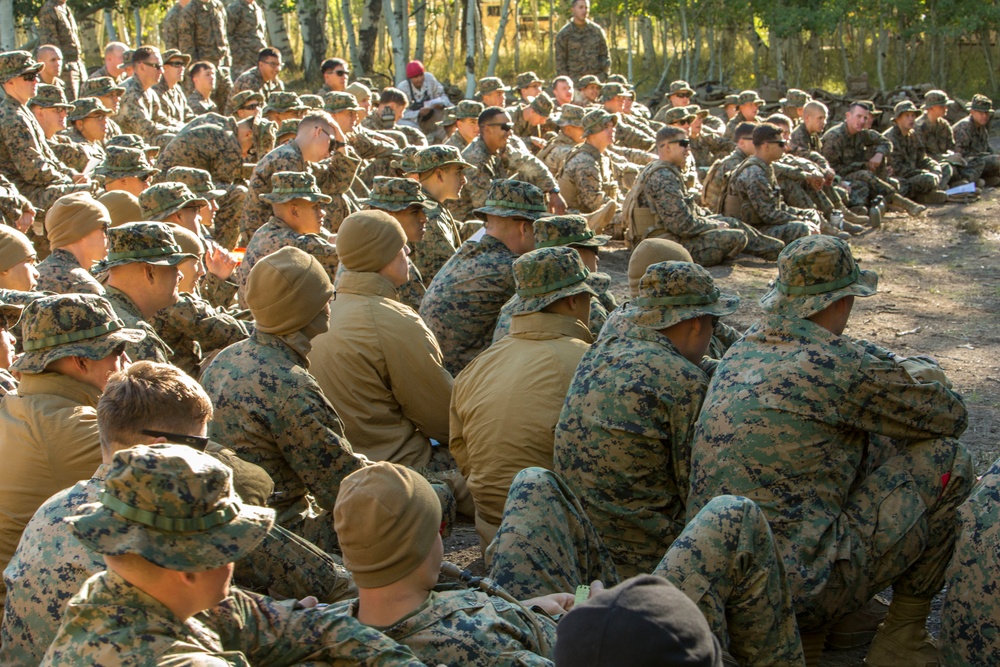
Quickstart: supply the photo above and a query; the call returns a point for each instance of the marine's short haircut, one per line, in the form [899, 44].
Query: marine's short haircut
[331, 63]
[198, 67]
[765, 133]
[668, 132]
[268, 52]
[490, 112]
[744, 131]
[814, 107]
[392, 95]
[143, 53]
[779, 119]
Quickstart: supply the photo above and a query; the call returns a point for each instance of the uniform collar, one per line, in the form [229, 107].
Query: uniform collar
[550, 323]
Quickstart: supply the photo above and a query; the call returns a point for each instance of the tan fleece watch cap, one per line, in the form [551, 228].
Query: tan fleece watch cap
[72, 217]
[122, 206]
[649, 252]
[369, 240]
[286, 290]
[15, 247]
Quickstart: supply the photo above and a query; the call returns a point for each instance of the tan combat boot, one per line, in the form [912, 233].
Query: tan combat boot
[856, 219]
[902, 637]
[933, 197]
[912, 208]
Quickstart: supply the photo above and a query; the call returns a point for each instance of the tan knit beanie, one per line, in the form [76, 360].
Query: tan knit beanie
[14, 248]
[368, 240]
[122, 207]
[286, 290]
[387, 518]
[188, 241]
[72, 217]
[649, 252]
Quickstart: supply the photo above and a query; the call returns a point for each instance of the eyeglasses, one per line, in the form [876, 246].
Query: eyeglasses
[196, 441]
[686, 96]
[272, 63]
[176, 64]
[251, 107]
[506, 127]
[153, 65]
[341, 72]
[30, 76]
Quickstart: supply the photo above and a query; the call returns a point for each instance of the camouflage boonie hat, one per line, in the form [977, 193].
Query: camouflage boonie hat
[589, 80]
[142, 242]
[545, 275]
[312, 101]
[127, 57]
[675, 115]
[289, 185]
[99, 87]
[336, 101]
[70, 325]
[795, 98]
[198, 181]
[282, 101]
[619, 78]
[170, 54]
[731, 99]
[245, 97]
[405, 163]
[672, 292]
[87, 106]
[595, 120]
[935, 98]
[49, 97]
[906, 106]
[288, 126]
[174, 506]
[9, 315]
[610, 91]
[542, 104]
[813, 272]
[490, 84]
[680, 86]
[166, 198]
[16, 63]
[569, 230]
[508, 198]
[526, 79]
[571, 114]
[448, 119]
[468, 109]
[133, 141]
[749, 97]
[981, 103]
[698, 111]
[396, 194]
[120, 162]
[433, 157]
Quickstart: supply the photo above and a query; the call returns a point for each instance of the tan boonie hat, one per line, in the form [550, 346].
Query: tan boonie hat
[166, 198]
[542, 104]
[174, 54]
[337, 101]
[282, 101]
[15, 247]
[16, 63]
[680, 87]
[672, 292]
[122, 206]
[99, 87]
[935, 98]
[906, 106]
[10, 314]
[145, 242]
[49, 97]
[468, 109]
[490, 84]
[122, 162]
[70, 325]
[394, 194]
[72, 217]
[675, 115]
[245, 97]
[588, 80]
[434, 157]
[796, 98]
[288, 126]
[359, 90]
[649, 252]
[571, 114]
[570, 230]
[513, 199]
[87, 106]
[387, 519]
[369, 240]
[133, 141]
[610, 91]
[981, 103]
[813, 272]
[289, 185]
[527, 79]
[174, 506]
[596, 119]
[198, 181]
[545, 275]
[286, 291]
[749, 97]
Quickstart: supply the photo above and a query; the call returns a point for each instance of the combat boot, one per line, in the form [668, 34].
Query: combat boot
[902, 637]
[992, 181]
[852, 217]
[912, 208]
[934, 197]
[857, 628]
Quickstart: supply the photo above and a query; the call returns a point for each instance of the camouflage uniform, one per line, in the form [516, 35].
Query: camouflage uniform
[557, 149]
[582, 50]
[98, 87]
[848, 156]
[754, 188]
[61, 273]
[969, 619]
[170, 27]
[916, 172]
[200, 106]
[809, 146]
[487, 168]
[251, 79]
[937, 138]
[141, 113]
[717, 179]
[57, 26]
[623, 440]
[973, 143]
[193, 329]
[247, 32]
[202, 33]
[80, 151]
[173, 101]
[12, 202]
[745, 97]
[855, 466]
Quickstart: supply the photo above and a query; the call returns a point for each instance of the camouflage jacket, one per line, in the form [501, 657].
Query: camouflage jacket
[202, 32]
[457, 140]
[12, 202]
[556, 151]
[57, 26]
[442, 238]
[8, 382]
[27, 157]
[665, 193]
[487, 168]
[587, 180]
[707, 146]
[75, 151]
[908, 154]
[371, 145]
[141, 112]
[733, 123]
[632, 133]
[247, 32]
[848, 153]
[582, 50]
[971, 140]
[756, 185]
[624, 437]
[193, 329]
[463, 301]
[717, 179]
[798, 457]
[209, 143]
[173, 102]
[62, 274]
[252, 80]
[244, 629]
[270, 410]
[794, 168]
[804, 144]
[199, 105]
[150, 348]
[170, 27]
[937, 137]
[274, 236]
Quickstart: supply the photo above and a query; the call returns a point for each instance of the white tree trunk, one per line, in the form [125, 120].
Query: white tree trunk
[628, 39]
[277, 32]
[396, 39]
[137, 17]
[352, 42]
[312, 20]
[491, 70]
[109, 26]
[470, 49]
[8, 37]
[420, 17]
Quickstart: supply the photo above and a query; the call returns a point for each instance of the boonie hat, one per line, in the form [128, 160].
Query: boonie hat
[513, 199]
[672, 292]
[145, 242]
[289, 185]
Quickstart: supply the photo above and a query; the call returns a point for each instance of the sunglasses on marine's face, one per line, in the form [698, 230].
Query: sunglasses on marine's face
[505, 127]
[30, 76]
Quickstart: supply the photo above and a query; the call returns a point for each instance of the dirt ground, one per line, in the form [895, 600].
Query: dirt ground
[939, 294]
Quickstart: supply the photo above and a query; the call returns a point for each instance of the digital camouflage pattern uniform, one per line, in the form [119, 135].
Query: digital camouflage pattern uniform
[916, 172]
[141, 112]
[193, 329]
[57, 26]
[717, 179]
[508, 163]
[582, 50]
[170, 27]
[587, 179]
[808, 145]
[61, 273]
[754, 189]
[97, 86]
[848, 156]
[972, 142]
[251, 79]
[851, 458]
[202, 33]
[173, 101]
[12, 203]
[81, 151]
[937, 137]
[623, 440]
[200, 106]
[247, 33]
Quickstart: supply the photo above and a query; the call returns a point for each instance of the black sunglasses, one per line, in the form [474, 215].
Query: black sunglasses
[340, 72]
[506, 127]
[30, 76]
[780, 143]
[683, 143]
[251, 107]
[175, 64]
[153, 65]
[197, 441]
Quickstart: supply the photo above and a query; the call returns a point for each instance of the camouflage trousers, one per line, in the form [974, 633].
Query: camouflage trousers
[759, 243]
[981, 166]
[865, 186]
[787, 232]
[712, 246]
[74, 73]
[918, 183]
[970, 620]
[897, 527]
[226, 230]
[724, 560]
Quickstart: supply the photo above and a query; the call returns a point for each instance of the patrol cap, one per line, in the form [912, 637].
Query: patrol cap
[680, 87]
[199, 181]
[337, 101]
[145, 242]
[394, 194]
[649, 252]
[672, 292]
[99, 87]
[588, 80]
[49, 97]
[72, 217]
[542, 104]
[508, 198]
[15, 247]
[468, 109]
[16, 63]
[595, 120]
[288, 126]
[935, 98]
[313, 101]
[813, 272]
[369, 240]
[84, 107]
[796, 98]
[906, 106]
[174, 54]
[122, 207]
[166, 198]
[527, 79]
[70, 325]
[490, 84]
[545, 275]
[434, 157]
[283, 100]
[675, 115]
[569, 230]
[10, 314]
[981, 103]
[133, 141]
[290, 185]
[286, 291]
[571, 114]
[120, 162]
[610, 91]
[749, 97]
[245, 97]
[174, 506]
